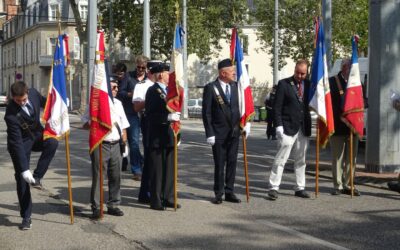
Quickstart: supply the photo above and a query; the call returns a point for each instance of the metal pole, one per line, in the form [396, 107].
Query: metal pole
[110, 49]
[146, 28]
[92, 34]
[276, 45]
[185, 57]
[327, 20]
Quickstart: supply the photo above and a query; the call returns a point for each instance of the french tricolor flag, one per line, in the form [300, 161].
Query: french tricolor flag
[246, 105]
[56, 110]
[320, 94]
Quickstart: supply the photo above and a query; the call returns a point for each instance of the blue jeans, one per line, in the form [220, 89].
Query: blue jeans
[135, 157]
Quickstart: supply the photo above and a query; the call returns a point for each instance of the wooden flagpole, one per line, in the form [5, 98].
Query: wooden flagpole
[317, 161]
[101, 179]
[246, 172]
[351, 165]
[71, 207]
[175, 171]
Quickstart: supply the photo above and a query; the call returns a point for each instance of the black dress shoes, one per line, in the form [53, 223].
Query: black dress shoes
[37, 184]
[26, 224]
[302, 194]
[95, 214]
[348, 192]
[336, 192]
[217, 200]
[115, 211]
[272, 194]
[232, 198]
[158, 207]
[394, 186]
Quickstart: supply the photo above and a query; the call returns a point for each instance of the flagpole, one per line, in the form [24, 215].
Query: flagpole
[246, 172]
[351, 164]
[317, 160]
[71, 207]
[101, 179]
[175, 171]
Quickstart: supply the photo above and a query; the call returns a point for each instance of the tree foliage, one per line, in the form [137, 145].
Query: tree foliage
[296, 26]
[207, 21]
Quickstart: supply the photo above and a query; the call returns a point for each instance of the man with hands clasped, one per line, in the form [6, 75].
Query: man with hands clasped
[293, 126]
[221, 118]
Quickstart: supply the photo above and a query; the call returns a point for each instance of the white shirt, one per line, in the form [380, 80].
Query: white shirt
[117, 116]
[223, 86]
[25, 108]
[139, 93]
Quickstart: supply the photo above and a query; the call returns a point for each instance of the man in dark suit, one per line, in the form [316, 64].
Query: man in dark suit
[25, 134]
[160, 141]
[293, 126]
[221, 117]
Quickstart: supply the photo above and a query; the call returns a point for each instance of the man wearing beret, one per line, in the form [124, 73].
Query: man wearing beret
[160, 141]
[221, 118]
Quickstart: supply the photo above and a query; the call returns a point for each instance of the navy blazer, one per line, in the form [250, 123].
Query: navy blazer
[159, 132]
[17, 132]
[290, 112]
[214, 117]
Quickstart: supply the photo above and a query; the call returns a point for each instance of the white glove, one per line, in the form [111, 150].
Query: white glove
[28, 177]
[126, 153]
[246, 129]
[211, 140]
[174, 116]
[279, 132]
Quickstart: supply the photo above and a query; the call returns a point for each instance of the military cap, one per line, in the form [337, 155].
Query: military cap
[224, 63]
[151, 64]
[161, 67]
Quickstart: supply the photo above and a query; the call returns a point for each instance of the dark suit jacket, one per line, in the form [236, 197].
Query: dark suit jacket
[15, 119]
[214, 118]
[290, 112]
[124, 86]
[159, 132]
[337, 105]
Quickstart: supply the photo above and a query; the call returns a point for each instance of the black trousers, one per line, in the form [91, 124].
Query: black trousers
[225, 154]
[48, 149]
[145, 181]
[161, 170]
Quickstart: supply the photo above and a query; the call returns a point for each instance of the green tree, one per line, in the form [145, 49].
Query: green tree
[207, 23]
[296, 26]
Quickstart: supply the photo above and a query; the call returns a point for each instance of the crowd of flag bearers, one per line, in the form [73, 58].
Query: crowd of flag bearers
[157, 100]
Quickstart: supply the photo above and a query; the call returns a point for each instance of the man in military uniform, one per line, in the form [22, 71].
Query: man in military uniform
[160, 141]
[25, 134]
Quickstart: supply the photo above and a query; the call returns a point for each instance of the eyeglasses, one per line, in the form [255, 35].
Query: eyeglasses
[114, 87]
[142, 68]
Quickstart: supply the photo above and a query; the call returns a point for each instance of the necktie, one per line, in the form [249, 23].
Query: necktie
[30, 109]
[299, 91]
[227, 93]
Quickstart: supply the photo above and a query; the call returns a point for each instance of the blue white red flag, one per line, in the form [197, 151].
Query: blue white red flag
[56, 110]
[320, 95]
[353, 108]
[246, 106]
[176, 82]
[100, 98]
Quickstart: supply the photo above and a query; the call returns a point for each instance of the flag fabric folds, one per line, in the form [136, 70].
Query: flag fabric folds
[353, 108]
[55, 112]
[176, 82]
[246, 105]
[320, 95]
[100, 98]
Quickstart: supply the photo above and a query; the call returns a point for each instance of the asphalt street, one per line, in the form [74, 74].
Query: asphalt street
[371, 221]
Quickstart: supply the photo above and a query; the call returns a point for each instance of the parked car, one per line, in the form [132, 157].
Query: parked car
[3, 99]
[195, 107]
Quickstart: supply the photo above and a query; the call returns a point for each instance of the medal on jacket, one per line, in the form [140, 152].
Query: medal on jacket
[219, 97]
[162, 94]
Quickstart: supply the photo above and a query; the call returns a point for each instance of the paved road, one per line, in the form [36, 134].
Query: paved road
[367, 222]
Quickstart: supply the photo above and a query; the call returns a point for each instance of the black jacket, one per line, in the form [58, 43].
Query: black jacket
[124, 86]
[290, 112]
[159, 133]
[22, 127]
[214, 117]
[337, 105]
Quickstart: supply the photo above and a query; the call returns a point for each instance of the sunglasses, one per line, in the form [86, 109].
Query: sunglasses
[114, 87]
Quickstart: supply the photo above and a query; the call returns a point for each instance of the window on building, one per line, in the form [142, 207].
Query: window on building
[83, 11]
[32, 51]
[26, 18]
[52, 46]
[37, 15]
[77, 48]
[53, 8]
[32, 15]
[13, 56]
[245, 44]
[19, 56]
[37, 50]
[27, 54]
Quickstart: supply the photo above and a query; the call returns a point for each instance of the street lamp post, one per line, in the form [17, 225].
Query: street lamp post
[146, 26]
